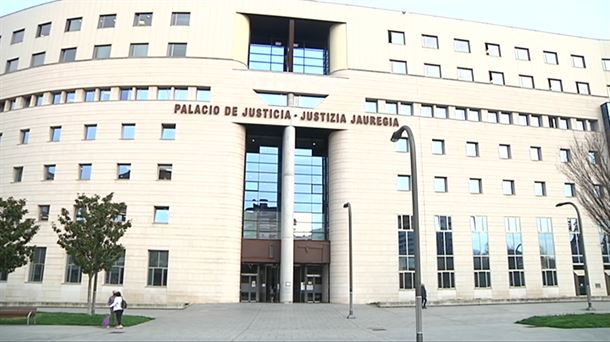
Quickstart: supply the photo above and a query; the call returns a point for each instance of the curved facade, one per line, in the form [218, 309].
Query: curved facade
[218, 136]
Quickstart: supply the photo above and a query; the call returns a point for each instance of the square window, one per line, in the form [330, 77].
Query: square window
[535, 153]
[73, 24]
[460, 113]
[526, 81]
[123, 171]
[138, 50]
[164, 171]
[142, 19]
[474, 115]
[11, 65]
[71, 96]
[427, 111]
[555, 84]
[17, 174]
[465, 74]
[55, 133]
[504, 151]
[578, 61]
[49, 172]
[432, 70]
[492, 50]
[89, 95]
[429, 41]
[475, 185]
[106, 21]
[535, 121]
[522, 54]
[203, 94]
[126, 94]
[84, 171]
[506, 118]
[43, 212]
[583, 88]
[539, 188]
[550, 57]
[168, 131]
[461, 45]
[43, 30]
[402, 145]
[90, 132]
[37, 59]
[404, 183]
[398, 67]
[472, 149]
[440, 112]
[440, 184]
[496, 77]
[101, 51]
[164, 94]
[176, 49]
[161, 214]
[508, 187]
[565, 155]
[438, 146]
[128, 131]
[492, 117]
[142, 94]
[67, 55]
[17, 36]
[105, 94]
[523, 120]
[181, 19]
[24, 136]
[391, 107]
[396, 37]
[56, 98]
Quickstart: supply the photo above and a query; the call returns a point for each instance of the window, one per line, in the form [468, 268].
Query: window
[565, 155]
[604, 239]
[578, 61]
[142, 94]
[438, 146]
[550, 57]
[161, 215]
[444, 252]
[492, 117]
[157, 268]
[535, 120]
[472, 149]
[116, 273]
[73, 24]
[71, 96]
[138, 50]
[504, 151]
[37, 265]
[474, 115]
[123, 171]
[593, 157]
[514, 249]
[43, 30]
[204, 94]
[508, 187]
[583, 88]
[128, 131]
[43, 212]
[396, 37]
[398, 67]
[492, 50]
[49, 172]
[142, 19]
[547, 251]
[106, 20]
[101, 51]
[496, 77]
[404, 183]
[402, 145]
[55, 133]
[526, 81]
[539, 188]
[555, 84]
[480, 251]
[181, 19]
[580, 125]
[17, 36]
[67, 55]
[569, 189]
[606, 64]
[37, 59]
[429, 41]
[73, 271]
[168, 131]
[105, 94]
[89, 95]
[440, 184]
[24, 136]
[406, 253]
[598, 190]
[90, 132]
[37, 100]
[522, 54]
[461, 45]
[17, 174]
[475, 185]
[11, 65]
[164, 171]
[126, 94]
[465, 74]
[576, 244]
[176, 49]
[506, 118]
[432, 70]
[535, 153]
[84, 171]
[427, 111]
[79, 214]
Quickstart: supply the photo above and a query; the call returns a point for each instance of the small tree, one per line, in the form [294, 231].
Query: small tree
[589, 170]
[91, 238]
[15, 234]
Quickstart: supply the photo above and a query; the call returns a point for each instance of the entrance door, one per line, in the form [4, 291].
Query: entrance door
[259, 283]
[308, 284]
[581, 288]
[248, 288]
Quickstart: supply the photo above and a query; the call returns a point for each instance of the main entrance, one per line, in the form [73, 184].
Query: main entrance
[307, 284]
[259, 283]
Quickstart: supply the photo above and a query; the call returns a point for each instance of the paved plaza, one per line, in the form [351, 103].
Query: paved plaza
[326, 322]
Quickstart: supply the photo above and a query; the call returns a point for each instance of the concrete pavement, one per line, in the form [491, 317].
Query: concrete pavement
[326, 322]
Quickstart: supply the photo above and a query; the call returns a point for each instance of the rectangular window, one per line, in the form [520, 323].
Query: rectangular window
[49, 172]
[492, 50]
[102, 51]
[161, 215]
[164, 94]
[90, 132]
[427, 111]
[370, 106]
[593, 157]
[37, 264]
[404, 183]
[526, 81]
[142, 19]
[583, 88]
[547, 251]
[176, 49]
[106, 21]
[506, 118]
[70, 96]
[535, 153]
[181, 19]
[461, 45]
[496, 77]
[405, 108]
[444, 252]
[67, 55]
[402, 145]
[396, 37]
[460, 113]
[474, 115]
[12, 65]
[550, 57]
[37, 100]
[480, 251]
[580, 124]
[105, 94]
[116, 273]
[17, 36]
[164, 171]
[128, 131]
[89, 95]
[84, 171]
[569, 189]
[142, 94]
[204, 94]
[555, 84]
[514, 249]
[24, 136]
[604, 239]
[522, 54]
[606, 64]
[43, 212]
[429, 41]
[406, 253]
[535, 120]
[438, 146]
[578, 61]
[123, 171]
[576, 244]
[492, 117]
[138, 50]
[37, 59]
[73, 271]
[539, 188]
[475, 185]
[508, 187]
[181, 93]
[55, 133]
[391, 107]
[398, 67]
[565, 155]
[157, 268]
[126, 94]
[504, 151]
[73, 24]
[168, 131]
[472, 149]
[432, 70]
[465, 74]
[440, 184]
[17, 174]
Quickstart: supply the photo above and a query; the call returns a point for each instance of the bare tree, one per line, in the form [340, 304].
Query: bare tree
[589, 168]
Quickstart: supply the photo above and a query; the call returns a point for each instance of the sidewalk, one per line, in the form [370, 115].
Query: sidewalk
[326, 322]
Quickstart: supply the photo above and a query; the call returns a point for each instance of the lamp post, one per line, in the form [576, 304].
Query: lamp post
[584, 257]
[419, 333]
[351, 288]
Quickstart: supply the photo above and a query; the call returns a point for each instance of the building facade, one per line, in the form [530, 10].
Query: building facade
[235, 131]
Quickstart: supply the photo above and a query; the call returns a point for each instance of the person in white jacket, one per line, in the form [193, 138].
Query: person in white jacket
[117, 308]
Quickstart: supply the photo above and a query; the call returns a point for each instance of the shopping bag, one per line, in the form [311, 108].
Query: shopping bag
[106, 322]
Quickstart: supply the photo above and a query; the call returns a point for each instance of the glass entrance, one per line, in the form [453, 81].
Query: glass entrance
[260, 283]
[308, 284]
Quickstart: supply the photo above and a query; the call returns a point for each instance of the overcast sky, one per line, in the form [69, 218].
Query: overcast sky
[584, 18]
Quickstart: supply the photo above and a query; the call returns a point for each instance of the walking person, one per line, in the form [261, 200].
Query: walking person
[108, 320]
[424, 296]
[117, 307]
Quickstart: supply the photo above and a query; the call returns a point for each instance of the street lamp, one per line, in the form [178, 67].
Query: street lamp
[351, 289]
[584, 257]
[419, 333]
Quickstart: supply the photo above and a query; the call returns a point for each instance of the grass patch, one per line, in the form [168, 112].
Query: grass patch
[572, 321]
[70, 318]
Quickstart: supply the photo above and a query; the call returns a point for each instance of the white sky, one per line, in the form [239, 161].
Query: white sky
[584, 18]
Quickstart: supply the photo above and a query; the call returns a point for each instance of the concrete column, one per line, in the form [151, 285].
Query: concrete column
[287, 215]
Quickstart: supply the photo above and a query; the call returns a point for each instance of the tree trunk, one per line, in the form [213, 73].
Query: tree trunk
[94, 292]
[89, 295]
